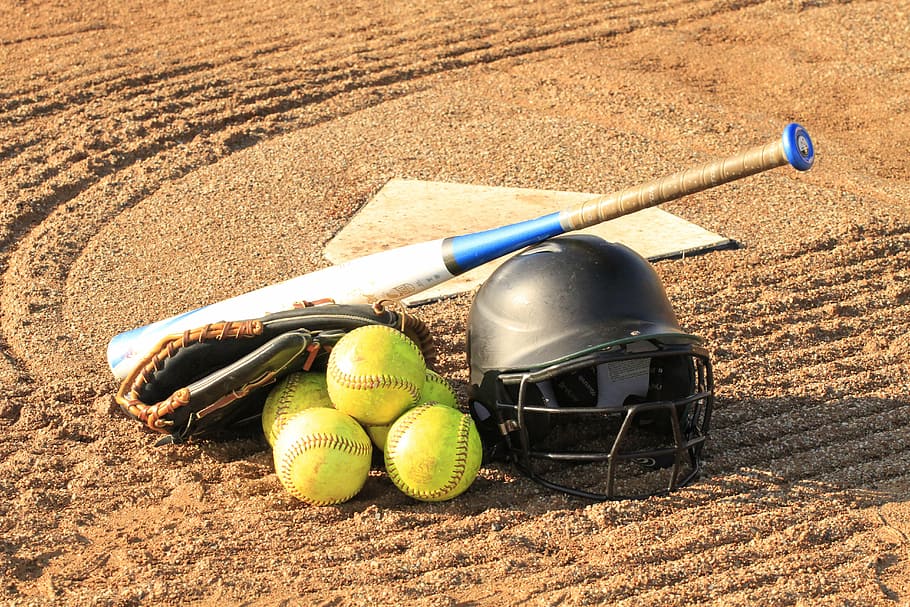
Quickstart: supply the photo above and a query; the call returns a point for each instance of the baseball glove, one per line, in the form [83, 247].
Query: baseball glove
[209, 381]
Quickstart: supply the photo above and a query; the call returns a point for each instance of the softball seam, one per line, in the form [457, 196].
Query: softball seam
[460, 465]
[372, 382]
[438, 380]
[316, 441]
[285, 399]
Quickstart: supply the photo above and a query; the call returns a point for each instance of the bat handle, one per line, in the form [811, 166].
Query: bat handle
[794, 147]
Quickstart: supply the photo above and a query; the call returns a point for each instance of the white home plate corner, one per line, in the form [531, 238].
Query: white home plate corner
[408, 211]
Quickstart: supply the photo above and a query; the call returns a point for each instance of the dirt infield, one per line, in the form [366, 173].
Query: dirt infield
[155, 157]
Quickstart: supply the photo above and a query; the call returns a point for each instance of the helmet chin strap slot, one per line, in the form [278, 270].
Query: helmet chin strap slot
[510, 425]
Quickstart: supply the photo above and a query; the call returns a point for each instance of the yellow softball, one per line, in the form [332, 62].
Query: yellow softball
[294, 393]
[436, 389]
[322, 456]
[374, 374]
[433, 452]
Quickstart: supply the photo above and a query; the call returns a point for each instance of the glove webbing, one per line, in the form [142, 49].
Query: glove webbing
[131, 386]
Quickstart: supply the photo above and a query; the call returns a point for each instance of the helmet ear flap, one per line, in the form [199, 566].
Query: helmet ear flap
[502, 435]
[672, 377]
[493, 428]
[488, 422]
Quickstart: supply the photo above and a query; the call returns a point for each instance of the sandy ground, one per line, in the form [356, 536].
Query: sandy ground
[159, 156]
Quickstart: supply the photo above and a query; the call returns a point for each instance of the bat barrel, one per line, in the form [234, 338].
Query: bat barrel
[794, 148]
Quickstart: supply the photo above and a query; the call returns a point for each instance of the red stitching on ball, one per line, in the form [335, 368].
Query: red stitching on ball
[461, 454]
[304, 443]
[371, 382]
[401, 426]
[284, 402]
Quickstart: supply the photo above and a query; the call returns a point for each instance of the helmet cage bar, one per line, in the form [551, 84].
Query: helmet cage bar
[617, 351]
[687, 442]
[684, 448]
[620, 344]
[630, 413]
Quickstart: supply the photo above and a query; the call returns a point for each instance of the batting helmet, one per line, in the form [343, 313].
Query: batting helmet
[576, 356]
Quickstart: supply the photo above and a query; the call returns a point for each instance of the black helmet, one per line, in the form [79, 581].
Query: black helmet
[577, 357]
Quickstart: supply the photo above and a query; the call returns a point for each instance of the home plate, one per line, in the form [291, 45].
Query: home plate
[407, 211]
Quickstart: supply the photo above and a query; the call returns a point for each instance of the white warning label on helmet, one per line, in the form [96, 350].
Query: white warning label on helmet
[620, 379]
[622, 370]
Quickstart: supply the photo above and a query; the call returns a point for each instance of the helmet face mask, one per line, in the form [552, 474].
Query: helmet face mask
[620, 412]
[646, 444]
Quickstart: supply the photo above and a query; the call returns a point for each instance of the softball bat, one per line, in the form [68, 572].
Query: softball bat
[404, 271]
